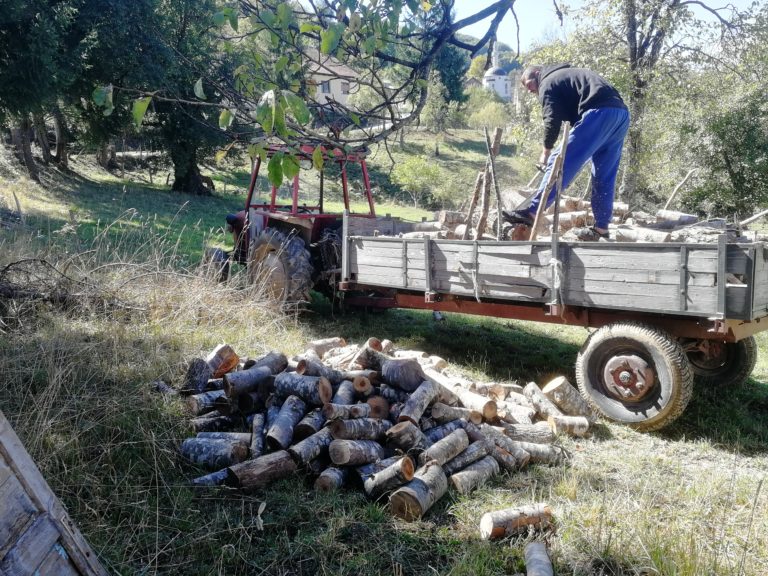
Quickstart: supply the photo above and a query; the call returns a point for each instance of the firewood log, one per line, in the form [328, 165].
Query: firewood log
[443, 413]
[512, 521]
[345, 394]
[394, 412]
[355, 452]
[369, 356]
[497, 436]
[505, 459]
[515, 414]
[222, 359]
[261, 471]
[244, 381]
[571, 425]
[409, 354]
[387, 346]
[434, 362]
[417, 404]
[393, 394]
[482, 404]
[197, 376]
[620, 208]
[337, 357]
[379, 407]
[318, 465]
[214, 384]
[214, 453]
[383, 482]
[162, 388]
[320, 347]
[475, 451]
[346, 411]
[404, 373]
[214, 423]
[226, 406]
[310, 448]
[444, 450]
[540, 402]
[635, 234]
[447, 384]
[426, 423]
[411, 501]
[676, 218]
[362, 473]
[372, 375]
[541, 453]
[362, 386]
[314, 390]
[359, 429]
[280, 434]
[275, 361]
[257, 435]
[314, 367]
[204, 402]
[310, 424]
[439, 432]
[331, 479]
[474, 475]
[408, 437]
[535, 433]
[231, 436]
[251, 402]
[537, 562]
[567, 398]
[299, 366]
[213, 479]
[270, 415]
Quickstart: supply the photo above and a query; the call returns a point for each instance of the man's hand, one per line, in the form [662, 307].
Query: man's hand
[545, 152]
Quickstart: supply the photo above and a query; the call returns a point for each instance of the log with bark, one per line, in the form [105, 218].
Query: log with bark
[197, 376]
[515, 414]
[418, 402]
[202, 403]
[320, 347]
[404, 373]
[541, 453]
[411, 501]
[384, 481]
[213, 479]
[280, 434]
[540, 402]
[312, 422]
[214, 453]
[539, 433]
[474, 475]
[497, 436]
[355, 452]
[310, 448]
[567, 398]
[226, 406]
[439, 432]
[379, 407]
[570, 425]
[314, 390]
[275, 361]
[443, 413]
[345, 394]
[512, 521]
[408, 437]
[635, 234]
[214, 423]
[393, 394]
[482, 404]
[261, 471]
[222, 359]
[331, 479]
[447, 384]
[231, 436]
[537, 562]
[444, 450]
[257, 435]
[315, 367]
[254, 379]
[359, 429]
[475, 451]
[346, 411]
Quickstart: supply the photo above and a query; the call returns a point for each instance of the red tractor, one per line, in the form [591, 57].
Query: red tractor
[292, 247]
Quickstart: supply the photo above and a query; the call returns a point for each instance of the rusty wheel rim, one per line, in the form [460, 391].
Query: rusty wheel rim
[628, 377]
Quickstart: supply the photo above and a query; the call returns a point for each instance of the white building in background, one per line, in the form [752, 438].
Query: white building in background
[334, 80]
[497, 80]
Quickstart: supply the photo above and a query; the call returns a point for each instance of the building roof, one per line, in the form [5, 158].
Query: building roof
[495, 72]
[324, 65]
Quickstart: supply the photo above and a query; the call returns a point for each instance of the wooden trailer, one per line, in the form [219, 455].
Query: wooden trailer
[663, 313]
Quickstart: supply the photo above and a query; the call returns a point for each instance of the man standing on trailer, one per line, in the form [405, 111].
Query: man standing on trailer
[600, 120]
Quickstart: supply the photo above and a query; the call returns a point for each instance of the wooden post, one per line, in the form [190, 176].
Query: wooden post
[257, 473]
[511, 521]
[411, 502]
[474, 475]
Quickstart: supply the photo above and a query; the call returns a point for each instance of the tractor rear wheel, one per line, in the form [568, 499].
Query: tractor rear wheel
[280, 265]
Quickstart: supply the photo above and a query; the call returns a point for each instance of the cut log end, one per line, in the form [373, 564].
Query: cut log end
[379, 407]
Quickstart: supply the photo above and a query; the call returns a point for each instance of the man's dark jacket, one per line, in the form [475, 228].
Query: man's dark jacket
[567, 93]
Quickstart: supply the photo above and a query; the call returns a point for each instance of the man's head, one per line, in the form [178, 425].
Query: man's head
[530, 78]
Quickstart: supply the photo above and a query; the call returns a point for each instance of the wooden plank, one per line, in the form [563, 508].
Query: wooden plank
[371, 259]
[30, 549]
[525, 293]
[738, 259]
[16, 513]
[466, 277]
[57, 562]
[650, 301]
[44, 499]
[386, 280]
[650, 277]
[5, 471]
[736, 298]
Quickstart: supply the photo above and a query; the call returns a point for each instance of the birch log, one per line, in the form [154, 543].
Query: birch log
[310, 448]
[392, 394]
[213, 479]
[244, 437]
[214, 453]
[445, 449]
[570, 425]
[257, 473]
[280, 434]
[405, 373]
[201, 403]
[539, 433]
[443, 413]
[359, 429]
[355, 452]
[214, 423]
[257, 435]
[511, 521]
[537, 562]
[345, 393]
[276, 362]
[411, 502]
[245, 381]
[482, 404]
[314, 367]
[379, 407]
[567, 398]
[439, 432]
[314, 390]
[472, 453]
[408, 437]
[474, 475]
[362, 386]
[320, 347]
[386, 480]
[540, 402]
[417, 404]
[541, 453]
[312, 422]
[346, 411]
[331, 479]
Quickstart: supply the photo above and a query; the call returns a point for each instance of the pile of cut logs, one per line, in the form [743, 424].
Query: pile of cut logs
[388, 421]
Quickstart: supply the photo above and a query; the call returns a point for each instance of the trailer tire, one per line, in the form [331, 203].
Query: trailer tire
[280, 263]
[731, 367]
[634, 374]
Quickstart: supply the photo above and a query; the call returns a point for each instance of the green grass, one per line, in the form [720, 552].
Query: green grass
[687, 501]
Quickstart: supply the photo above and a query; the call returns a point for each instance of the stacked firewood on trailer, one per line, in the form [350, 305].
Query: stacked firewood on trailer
[391, 422]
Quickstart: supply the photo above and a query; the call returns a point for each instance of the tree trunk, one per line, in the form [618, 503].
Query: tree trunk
[384, 481]
[331, 479]
[355, 452]
[41, 135]
[214, 453]
[310, 448]
[200, 404]
[280, 434]
[474, 475]
[186, 173]
[411, 502]
[418, 402]
[20, 139]
[359, 429]
[443, 413]
[540, 402]
[567, 398]
[408, 438]
[470, 454]
[222, 359]
[444, 450]
[571, 425]
[60, 127]
[512, 521]
[310, 424]
[314, 390]
[257, 473]
[257, 435]
[537, 562]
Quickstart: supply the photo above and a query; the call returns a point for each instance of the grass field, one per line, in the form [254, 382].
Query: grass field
[687, 501]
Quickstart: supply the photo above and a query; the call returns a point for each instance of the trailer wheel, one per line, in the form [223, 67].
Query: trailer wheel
[634, 374]
[280, 264]
[722, 363]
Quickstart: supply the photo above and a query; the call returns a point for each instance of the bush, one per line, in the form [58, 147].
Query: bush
[417, 176]
[491, 115]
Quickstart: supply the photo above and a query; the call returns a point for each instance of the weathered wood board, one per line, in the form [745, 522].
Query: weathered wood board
[669, 278]
[36, 534]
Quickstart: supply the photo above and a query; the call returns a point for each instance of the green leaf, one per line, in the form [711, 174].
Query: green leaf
[140, 109]
[330, 38]
[291, 166]
[99, 94]
[275, 169]
[317, 158]
[267, 17]
[355, 118]
[233, 19]
[199, 89]
[281, 63]
[298, 107]
[220, 155]
[285, 14]
[225, 119]
[255, 150]
[220, 18]
[306, 28]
